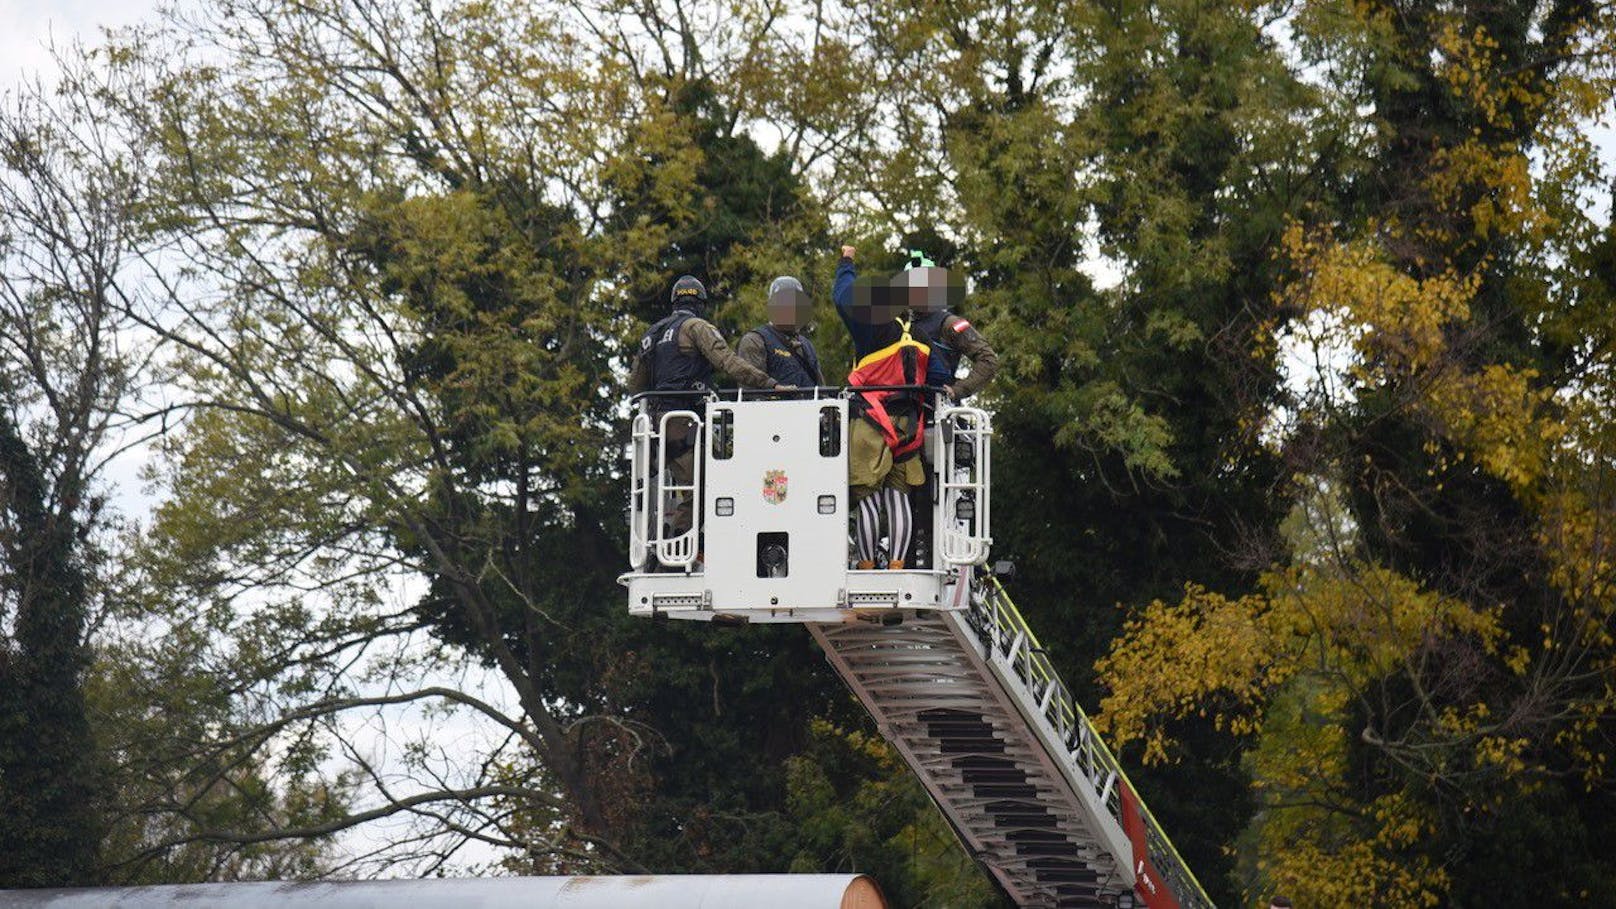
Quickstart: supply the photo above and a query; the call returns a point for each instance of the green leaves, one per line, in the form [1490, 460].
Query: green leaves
[856, 806]
[404, 249]
[1378, 760]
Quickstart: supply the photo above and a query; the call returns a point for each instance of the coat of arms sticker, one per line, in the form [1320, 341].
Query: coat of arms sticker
[774, 486]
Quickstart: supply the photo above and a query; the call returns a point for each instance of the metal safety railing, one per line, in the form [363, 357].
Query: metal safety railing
[1001, 628]
[652, 490]
[642, 439]
[807, 392]
[965, 478]
[676, 549]
[657, 437]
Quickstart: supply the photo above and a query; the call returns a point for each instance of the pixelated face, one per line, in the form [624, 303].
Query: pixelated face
[928, 289]
[790, 309]
[875, 303]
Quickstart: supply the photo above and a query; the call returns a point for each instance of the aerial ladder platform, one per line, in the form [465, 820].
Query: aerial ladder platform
[754, 528]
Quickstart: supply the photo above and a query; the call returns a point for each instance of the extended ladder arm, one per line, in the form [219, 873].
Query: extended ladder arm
[999, 625]
[974, 707]
[941, 658]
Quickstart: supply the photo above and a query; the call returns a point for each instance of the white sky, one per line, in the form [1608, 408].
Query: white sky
[28, 27]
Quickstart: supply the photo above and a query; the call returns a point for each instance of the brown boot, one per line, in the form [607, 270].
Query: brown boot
[895, 564]
[864, 565]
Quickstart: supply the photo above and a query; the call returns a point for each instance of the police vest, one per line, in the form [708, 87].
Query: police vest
[788, 367]
[900, 363]
[671, 368]
[944, 360]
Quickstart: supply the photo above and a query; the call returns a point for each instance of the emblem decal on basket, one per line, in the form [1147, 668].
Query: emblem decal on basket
[774, 486]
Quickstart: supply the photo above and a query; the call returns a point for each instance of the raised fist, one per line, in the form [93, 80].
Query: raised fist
[847, 252]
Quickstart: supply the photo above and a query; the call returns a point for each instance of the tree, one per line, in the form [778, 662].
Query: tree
[402, 370]
[860, 808]
[65, 372]
[397, 251]
[1423, 677]
[396, 345]
[1173, 140]
[89, 771]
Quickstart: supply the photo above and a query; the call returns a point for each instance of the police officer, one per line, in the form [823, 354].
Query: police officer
[681, 353]
[949, 336]
[779, 347]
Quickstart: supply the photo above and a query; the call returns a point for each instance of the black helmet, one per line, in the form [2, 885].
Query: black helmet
[688, 293]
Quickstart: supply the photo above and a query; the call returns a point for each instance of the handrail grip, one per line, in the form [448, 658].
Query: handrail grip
[735, 394]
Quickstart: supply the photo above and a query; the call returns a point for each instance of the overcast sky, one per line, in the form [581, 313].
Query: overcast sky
[28, 26]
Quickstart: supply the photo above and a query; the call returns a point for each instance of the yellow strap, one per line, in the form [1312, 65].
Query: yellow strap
[892, 348]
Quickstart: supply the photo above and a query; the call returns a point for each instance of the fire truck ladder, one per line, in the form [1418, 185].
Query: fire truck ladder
[939, 655]
[974, 707]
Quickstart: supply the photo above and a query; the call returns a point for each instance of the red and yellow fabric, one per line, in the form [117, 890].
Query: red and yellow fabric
[900, 363]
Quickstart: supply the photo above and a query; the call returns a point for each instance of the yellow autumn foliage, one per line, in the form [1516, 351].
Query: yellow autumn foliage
[1393, 321]
[1330, 657]
[1207, 655]
[1288, 666]
[1323, 859]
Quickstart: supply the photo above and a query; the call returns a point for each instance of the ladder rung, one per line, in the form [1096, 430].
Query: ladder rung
[964, 729]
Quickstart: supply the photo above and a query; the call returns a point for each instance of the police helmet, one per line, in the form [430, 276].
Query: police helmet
[785, 284]
[688, 293]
